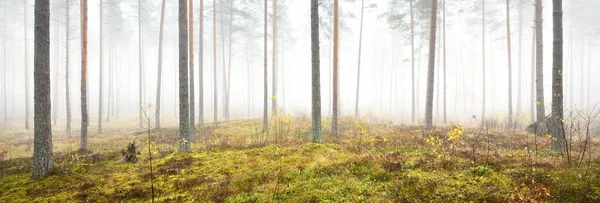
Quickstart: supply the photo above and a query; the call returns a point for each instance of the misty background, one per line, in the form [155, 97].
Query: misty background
[385, 91]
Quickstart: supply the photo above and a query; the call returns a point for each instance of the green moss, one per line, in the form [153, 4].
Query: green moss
[294, 171]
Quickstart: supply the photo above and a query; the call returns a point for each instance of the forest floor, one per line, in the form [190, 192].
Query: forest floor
[370, 162]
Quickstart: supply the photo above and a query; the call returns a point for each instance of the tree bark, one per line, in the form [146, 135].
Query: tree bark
[362, 10]
[4, 65]
[265, 95]
[317, 133]
[431, 68]
[224, 60]
[483, 61]
[558, 142]
[445, 81]
[84, 55]
[533, 68]
[201, 66]
[26, 65]
[110, 106]
[215, 93]
[508, 44]
[184, 108]
[336, 89]
[274, 83]
[412, 60]
[55, 82]
[159, 75]
[141, 71]
[67, 68]
[539, 66]
[192, 110]
[101, 73]
[42, 150]
[520, 79]
[228, 90]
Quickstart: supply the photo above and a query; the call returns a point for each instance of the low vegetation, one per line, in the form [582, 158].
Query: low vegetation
[372, 162]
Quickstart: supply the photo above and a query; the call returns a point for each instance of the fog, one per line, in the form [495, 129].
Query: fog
[385, 86]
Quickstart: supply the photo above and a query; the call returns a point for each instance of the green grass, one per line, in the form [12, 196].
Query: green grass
[388, 164]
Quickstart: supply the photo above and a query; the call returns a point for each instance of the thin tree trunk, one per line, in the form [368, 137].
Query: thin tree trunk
[56, 68]
[201, 66]
[445, 81]
[224, 60]
[483, 79]
[520, 79]
[317, 134]
[228, 90]
[571, 70]
[25, 40]
[184, 108]
[362, 10]
[215, 93]
[42, 151]
[110, 79]
[431, 69]
[412, 60]
[192, 110]
[141, 71]
[4, 64]
[558, 142]
[159, 75]
[581, 72]
[274, 83]
[510, 107]
[101, 73]
[84, 55]
[265, 96]
[541, 113]
[336, 89]
[533, 68]
[67, 68]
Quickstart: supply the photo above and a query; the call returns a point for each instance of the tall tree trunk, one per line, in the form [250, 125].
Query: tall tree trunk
[412, 61]
[184, 107]
[101, 73]
[483, 79]
[445, 81]
[571, 70]
[67, 68]
[431, 68]
[532, 85]
[224, 60]
[141, 71]
[317, 133]
[42, 150]
[215, 93]
[274, 105]
[159, 75]
[362, 10]
[192, 110]
[581, 72]
[336, 89]
[201, 66]
[520, 86]
[508, 44]
[25, 40]
[265, 96]
[230, 59]
[539, 66]
[558, 142]
[110, 77]
[4, 65]
[56, 68]
[84, 55]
